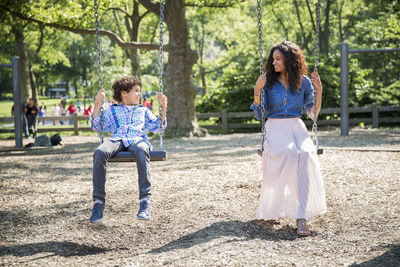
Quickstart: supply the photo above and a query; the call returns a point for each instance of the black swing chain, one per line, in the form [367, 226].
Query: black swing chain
[101, 133]
[161, 70]
[260, 50]
[315, 117]
[99, 70]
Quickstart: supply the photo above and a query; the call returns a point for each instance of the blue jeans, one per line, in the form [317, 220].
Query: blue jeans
[25, 126]
[109, 148]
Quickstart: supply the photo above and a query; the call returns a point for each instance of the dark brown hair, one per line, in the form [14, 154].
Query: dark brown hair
[294, 62]
[124, 84]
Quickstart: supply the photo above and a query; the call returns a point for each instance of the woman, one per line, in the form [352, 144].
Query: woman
[292, 185]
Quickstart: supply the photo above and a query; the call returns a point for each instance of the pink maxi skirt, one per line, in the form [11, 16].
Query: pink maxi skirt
[292, 185]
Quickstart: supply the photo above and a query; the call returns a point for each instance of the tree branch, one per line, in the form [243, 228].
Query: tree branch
[41, 39]
[144, 14]
[213, 5]
[223, 65]
[152, 7]
[311, 14]
[281, 22]
[109, 34]
[305, 42]
[117, 22]
[119, 9]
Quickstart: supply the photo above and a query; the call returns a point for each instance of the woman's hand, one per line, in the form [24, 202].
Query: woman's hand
[259, 84]
[162, 99]
[257, 89]
[316, 81]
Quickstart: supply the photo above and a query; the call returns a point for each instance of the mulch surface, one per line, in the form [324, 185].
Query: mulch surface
[203, 206]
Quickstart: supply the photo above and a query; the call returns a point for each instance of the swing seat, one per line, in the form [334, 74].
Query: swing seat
[126, 156]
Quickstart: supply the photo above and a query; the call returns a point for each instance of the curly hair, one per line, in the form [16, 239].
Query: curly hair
[124, 84]
[294, 62]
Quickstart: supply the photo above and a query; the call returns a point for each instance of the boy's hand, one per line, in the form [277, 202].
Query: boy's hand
[162, 99]
[99, 98]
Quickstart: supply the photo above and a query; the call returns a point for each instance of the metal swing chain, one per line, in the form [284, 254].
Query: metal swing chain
[260, 50]
[315, 117]
[99, 70]
[161, 65]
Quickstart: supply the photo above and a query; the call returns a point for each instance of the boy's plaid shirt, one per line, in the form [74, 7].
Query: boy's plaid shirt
[128, 123]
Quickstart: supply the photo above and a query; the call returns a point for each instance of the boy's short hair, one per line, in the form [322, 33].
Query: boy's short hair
[124, 84]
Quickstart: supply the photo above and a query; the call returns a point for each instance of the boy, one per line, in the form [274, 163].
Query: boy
[128, 122]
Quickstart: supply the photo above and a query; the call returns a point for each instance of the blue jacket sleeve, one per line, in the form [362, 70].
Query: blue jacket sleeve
[152, 122]
[257, 111]
[96, 122]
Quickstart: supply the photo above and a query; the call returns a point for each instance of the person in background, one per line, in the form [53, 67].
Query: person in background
[42, 111]
[78, 106]
[71, 110]
[31, 110]
[63, 104]
[151, 105]
[55, 112]
[145, 103]
[88, 112]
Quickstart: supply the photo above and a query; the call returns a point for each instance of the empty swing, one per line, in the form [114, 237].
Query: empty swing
[126, 156]
[260, 50]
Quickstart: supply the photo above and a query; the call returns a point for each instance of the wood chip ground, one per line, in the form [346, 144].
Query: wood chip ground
[204, 203]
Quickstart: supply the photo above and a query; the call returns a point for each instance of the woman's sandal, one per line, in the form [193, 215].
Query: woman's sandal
[302, 228]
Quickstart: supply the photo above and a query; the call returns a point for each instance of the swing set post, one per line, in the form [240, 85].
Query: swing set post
[344, 90]
[344, 82]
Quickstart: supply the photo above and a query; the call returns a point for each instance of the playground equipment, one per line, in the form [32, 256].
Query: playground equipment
[344, 82]
[126, 156]
[17, 100]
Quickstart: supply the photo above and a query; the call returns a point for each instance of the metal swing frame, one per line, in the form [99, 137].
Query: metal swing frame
[260, 50]
[126, 156]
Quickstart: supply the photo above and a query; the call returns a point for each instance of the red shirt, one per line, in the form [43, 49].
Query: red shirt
[88, 111]
[71, 109]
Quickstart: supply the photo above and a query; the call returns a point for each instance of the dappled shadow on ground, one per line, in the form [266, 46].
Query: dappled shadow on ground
[64, 249]
[245, 231]
[389, 258]
[51, 214]
[68, 149]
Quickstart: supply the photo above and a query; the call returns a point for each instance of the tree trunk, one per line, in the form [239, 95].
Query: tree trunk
[202, 70]
[35, 91]
[303, 33]
[24, 62]
[181, 90]
[325, 33]
[132, 25]
[339, 7]
[203, 81]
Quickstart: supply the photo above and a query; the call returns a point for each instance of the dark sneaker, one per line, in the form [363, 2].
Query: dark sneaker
[144, 210]
[97, 212]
